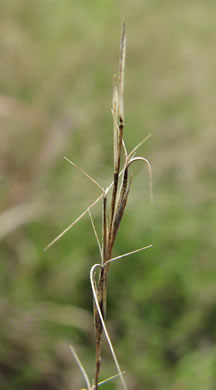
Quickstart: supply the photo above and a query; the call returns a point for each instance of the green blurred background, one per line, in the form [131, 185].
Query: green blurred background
[56, 68]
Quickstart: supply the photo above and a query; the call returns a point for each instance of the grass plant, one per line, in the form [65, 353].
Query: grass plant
[56, 81]
[112, 215]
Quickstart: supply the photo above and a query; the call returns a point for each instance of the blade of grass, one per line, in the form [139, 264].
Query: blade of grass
[73, 223]
[82, 369]
[129, 253]
[84, 173]
[96, 235]
[104, 326]
[149, 171]
[110, 379]
[138, 145]
[80, 216]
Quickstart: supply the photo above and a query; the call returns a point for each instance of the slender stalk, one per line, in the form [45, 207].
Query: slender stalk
[104, 226]
[122, 71]
[100, 291]
[108, 235]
